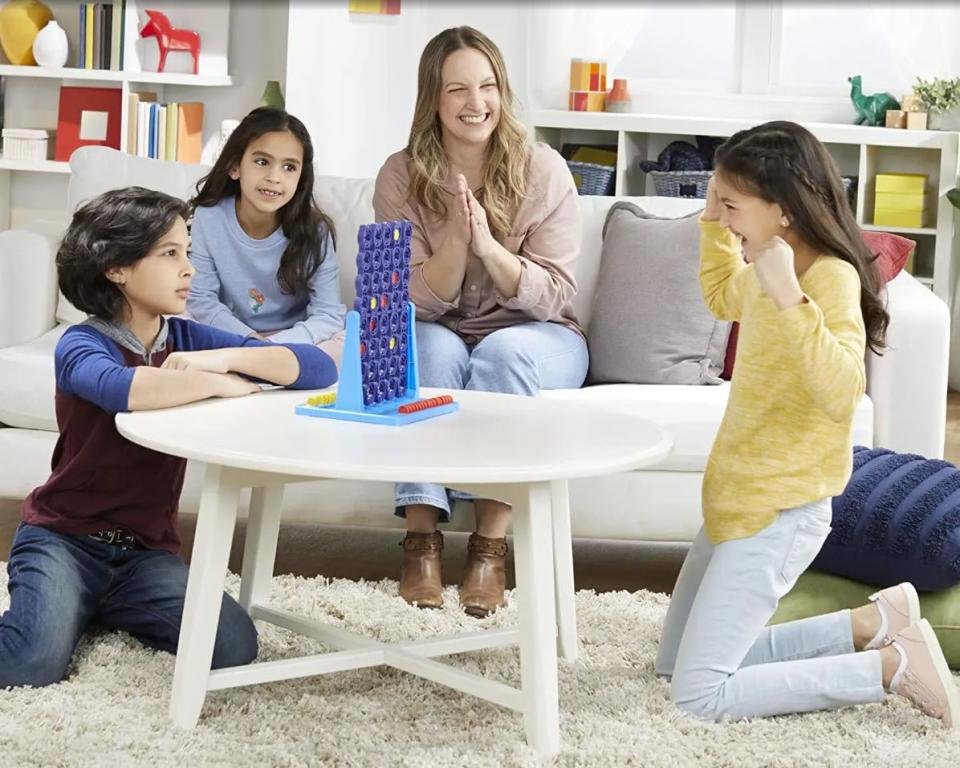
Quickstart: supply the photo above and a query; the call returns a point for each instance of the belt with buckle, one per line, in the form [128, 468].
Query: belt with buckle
[119, 537]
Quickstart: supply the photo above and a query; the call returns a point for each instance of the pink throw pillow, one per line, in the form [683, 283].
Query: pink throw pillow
[892, 252]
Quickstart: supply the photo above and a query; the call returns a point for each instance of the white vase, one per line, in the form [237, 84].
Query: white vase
[944, 121]
[50, 47]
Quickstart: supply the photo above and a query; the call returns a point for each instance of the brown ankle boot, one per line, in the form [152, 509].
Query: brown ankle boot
[421, 583]
[481, 592]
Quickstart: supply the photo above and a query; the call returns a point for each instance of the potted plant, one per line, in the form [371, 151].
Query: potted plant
[942, 98]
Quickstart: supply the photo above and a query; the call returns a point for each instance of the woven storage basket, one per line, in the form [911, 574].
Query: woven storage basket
[592, 179]
[681, 183]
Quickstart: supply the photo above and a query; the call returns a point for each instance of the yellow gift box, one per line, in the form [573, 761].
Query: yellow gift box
[901, 183]
[900, 199]
[890, 218]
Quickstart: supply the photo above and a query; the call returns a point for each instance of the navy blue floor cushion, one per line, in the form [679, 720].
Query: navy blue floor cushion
[897, 520]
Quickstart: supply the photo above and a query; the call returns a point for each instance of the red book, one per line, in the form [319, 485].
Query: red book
[87, 117]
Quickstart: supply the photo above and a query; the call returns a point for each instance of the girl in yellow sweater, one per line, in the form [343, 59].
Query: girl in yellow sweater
[780, 252]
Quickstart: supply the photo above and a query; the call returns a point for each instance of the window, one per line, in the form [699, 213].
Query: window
[890, 44]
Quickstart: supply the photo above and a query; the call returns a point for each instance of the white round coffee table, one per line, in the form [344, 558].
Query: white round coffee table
[519, 450]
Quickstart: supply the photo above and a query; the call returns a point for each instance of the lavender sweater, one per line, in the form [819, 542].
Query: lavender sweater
[235, 287]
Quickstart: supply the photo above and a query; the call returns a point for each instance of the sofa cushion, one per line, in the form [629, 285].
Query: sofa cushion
[691, 414]
[593, 214]
[95, 170]
[26, 396]
[349, 202]
[650, 324]
[26, 455]
[892, 252]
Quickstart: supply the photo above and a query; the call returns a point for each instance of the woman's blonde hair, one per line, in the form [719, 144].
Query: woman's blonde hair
[504, 174]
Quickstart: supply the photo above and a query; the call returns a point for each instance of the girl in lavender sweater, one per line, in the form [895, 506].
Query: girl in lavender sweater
[262, 249]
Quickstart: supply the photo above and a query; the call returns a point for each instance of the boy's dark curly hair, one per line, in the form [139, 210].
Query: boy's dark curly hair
[115, 229]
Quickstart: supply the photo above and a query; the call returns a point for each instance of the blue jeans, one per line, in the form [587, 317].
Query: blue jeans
[520, 360]
[723, 658]
[60, 585]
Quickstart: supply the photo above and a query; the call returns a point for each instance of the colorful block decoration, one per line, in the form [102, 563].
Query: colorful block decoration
[588, 75]
[379, 376]
[588, 85]
[587, 101]
[383, 7]
[900, 199]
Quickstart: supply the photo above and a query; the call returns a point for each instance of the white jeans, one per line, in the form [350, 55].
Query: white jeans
[723, 659]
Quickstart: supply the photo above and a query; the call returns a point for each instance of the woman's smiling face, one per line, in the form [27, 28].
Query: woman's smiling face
[469, 104]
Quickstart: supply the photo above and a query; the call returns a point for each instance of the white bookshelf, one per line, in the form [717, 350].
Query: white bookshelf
[858, 151]
[32, 92]
[114, 76]
[32, 166]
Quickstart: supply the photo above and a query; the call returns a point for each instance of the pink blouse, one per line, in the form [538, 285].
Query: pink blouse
[545, 237]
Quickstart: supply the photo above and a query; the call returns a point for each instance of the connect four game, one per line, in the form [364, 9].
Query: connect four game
[379, 380]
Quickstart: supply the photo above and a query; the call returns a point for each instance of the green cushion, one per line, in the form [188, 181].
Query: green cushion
[816, 593]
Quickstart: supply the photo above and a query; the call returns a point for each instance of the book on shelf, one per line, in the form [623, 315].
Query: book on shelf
[189, 132]
[162, 132]
[152, 130]
[97, 54]
[133, 112]
[101, 35]
[116, 38]
[88, 35]
[173, 123]
[172, 131]
[82, 44]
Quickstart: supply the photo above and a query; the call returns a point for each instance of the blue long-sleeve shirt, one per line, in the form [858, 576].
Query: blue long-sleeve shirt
[99, 479]
[235, 287]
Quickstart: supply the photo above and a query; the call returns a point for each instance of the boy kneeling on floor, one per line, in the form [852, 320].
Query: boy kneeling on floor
[98, 542]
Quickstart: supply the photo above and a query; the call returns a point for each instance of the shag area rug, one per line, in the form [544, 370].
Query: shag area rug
[112, 708]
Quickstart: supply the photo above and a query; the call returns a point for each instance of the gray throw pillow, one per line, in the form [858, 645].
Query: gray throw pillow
[650, 324]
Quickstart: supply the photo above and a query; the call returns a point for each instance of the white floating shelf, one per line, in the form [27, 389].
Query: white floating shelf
[684, 125]
[899, 230]
[114, 76]
[34, 166]
[169, 78]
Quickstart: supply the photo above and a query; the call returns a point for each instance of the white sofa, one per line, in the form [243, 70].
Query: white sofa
[905, 408]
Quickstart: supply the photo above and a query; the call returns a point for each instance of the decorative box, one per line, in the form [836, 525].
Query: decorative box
[27, 144]
[900, 199]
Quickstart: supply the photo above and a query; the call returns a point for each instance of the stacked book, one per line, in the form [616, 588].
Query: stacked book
[101, 35]
[170, 131]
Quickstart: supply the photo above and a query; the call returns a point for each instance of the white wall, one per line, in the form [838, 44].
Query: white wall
[257, 53]
[352, 78]
[787, 60]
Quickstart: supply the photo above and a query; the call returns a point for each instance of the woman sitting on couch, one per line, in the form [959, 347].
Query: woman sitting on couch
[496, 235]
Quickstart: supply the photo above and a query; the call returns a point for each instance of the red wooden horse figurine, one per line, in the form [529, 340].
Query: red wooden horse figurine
[170, 39]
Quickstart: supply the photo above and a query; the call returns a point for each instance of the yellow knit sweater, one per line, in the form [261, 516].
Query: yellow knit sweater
[785, 437]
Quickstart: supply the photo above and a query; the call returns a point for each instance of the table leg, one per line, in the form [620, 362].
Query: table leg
[533, 559]
[260, 546]
[563, 571]
[201, 613]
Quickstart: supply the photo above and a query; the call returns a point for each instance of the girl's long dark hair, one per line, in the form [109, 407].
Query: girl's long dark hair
[783, 163]
[304, 224]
